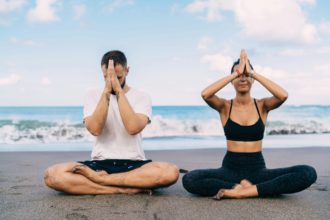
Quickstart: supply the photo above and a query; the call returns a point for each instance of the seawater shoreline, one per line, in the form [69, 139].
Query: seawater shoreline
[180, 143]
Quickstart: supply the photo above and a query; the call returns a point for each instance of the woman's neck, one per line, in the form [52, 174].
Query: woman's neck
[243, 99]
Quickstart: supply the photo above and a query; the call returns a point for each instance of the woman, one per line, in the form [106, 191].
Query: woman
[243, 173]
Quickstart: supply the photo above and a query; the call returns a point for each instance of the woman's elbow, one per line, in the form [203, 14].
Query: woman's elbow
[285, 96]
[204, 95]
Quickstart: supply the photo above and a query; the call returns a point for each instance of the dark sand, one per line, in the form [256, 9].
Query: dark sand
[23, 194]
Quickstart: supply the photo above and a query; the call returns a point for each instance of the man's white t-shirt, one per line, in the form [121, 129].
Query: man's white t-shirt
[115, 142]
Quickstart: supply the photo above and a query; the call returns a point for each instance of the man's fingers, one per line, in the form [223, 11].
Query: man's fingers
[111, 68]
[110, 64]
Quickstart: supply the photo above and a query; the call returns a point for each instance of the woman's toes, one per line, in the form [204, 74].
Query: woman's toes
[219, 195]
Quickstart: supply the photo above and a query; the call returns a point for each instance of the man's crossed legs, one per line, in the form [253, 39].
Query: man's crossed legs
[76, 178]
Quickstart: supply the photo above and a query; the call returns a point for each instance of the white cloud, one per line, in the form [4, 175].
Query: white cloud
[43, 12]
[323, 50]
[14, 40]
[292, 52]
[271, 20]
[218, 62]
[324, 27]
[272, 73]
[45, 81]
[11, 5]
[115, 4]
[323, 69]
[211, 6]
[10, 80]
[204, 43]
[79, 11]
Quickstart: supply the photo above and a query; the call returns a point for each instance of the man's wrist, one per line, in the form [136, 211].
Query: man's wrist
[107, 94]
[119, 92]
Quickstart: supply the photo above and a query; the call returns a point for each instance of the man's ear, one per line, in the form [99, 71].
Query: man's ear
[127, 70]
[104, 70]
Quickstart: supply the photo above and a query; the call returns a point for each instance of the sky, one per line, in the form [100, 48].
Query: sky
[50, 50]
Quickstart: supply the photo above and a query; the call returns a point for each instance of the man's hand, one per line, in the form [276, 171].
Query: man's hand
[113, 78]
[109, 72]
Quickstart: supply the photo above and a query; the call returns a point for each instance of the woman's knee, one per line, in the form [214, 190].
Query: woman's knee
[310, 173]
[189, 180]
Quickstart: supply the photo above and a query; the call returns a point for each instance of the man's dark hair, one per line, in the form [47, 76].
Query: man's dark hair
[236, 63]
[117, 56]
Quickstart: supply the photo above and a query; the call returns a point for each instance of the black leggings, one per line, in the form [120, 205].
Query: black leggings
[250, 166]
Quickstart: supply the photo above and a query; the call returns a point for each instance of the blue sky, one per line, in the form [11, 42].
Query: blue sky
[51, 49]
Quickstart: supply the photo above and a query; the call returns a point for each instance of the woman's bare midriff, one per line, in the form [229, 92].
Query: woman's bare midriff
[244, 146]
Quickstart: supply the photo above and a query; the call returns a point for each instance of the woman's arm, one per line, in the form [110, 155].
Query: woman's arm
[279, 94]
[208, 94]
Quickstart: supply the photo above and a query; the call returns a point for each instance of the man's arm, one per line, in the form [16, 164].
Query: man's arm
[133, 122]
[96, 122]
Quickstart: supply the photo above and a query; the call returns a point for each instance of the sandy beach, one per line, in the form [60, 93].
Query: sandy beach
[23, 194]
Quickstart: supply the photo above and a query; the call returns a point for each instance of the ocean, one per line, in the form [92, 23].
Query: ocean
[172, 127]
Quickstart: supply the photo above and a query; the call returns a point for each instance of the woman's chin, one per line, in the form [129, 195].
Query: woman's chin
[243, 90]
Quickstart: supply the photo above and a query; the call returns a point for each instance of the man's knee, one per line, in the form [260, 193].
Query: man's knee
[169, 173]
[52, 177]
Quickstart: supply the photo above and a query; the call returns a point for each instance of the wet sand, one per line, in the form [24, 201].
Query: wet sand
[23, 194]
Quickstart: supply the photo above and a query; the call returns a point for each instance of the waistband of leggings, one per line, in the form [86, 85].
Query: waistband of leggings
[234, 160]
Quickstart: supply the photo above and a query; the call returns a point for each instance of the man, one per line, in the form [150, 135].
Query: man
[116, 116]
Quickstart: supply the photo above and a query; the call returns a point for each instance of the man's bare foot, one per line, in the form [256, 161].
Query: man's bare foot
[96, 177]
[135, 191]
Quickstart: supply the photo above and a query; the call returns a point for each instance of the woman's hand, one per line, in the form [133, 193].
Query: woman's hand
[242, 62]
[249, 70]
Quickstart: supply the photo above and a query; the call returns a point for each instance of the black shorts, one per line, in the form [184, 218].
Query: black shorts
[114, 165]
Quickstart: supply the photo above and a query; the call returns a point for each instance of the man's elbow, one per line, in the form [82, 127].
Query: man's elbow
[133, 130]
[94, 130]
[95, 133]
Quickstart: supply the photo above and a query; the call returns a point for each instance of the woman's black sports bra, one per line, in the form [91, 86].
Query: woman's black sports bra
[236, 132]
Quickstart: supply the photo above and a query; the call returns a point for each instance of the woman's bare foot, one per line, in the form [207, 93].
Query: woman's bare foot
[245, 183]
[96, 177]
[239, 191]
